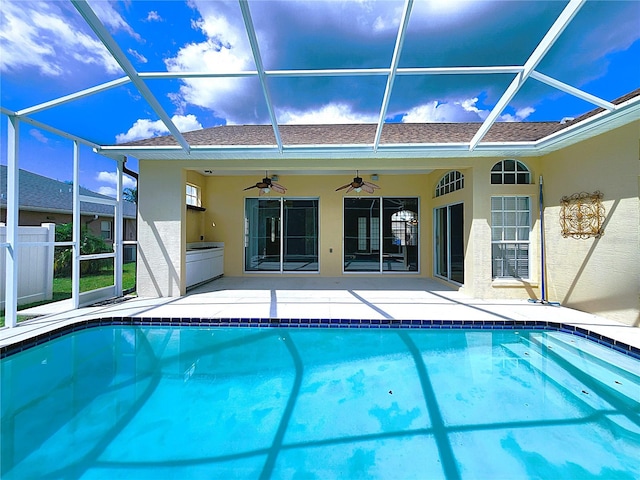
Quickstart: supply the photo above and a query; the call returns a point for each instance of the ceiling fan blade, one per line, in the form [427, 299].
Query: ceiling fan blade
[366, 187]
[278, 188]
[351, 187]
[372, 185]
[343, 187]
[253, 186]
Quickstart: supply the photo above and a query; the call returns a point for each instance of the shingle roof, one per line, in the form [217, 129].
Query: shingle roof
[364, 134]
[357, 134]
[46, 194]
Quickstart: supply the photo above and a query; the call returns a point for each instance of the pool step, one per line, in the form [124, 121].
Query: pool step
[606, 365]
[602, 386]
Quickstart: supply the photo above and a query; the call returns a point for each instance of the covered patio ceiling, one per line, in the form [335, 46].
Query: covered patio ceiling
[603, 113]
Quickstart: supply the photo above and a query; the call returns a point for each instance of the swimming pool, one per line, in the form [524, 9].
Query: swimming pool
[213, 402]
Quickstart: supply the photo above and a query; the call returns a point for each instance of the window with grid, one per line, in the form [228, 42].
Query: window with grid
[193, 195]
[510, 172]
[450, 182]
[105, 230]
[510, 228]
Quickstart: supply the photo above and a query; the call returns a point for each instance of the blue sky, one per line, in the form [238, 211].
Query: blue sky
[47, 51]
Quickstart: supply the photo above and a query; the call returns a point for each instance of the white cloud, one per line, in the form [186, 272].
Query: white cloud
[137, 55]
[145, 128]
[112, 179]
[42, 37]
[108, 191]
[432, 112]
[225, 48]
[336, 113]
[38, 135]
[464, 110]
[520, 115]
[153, 16]
[111, 18]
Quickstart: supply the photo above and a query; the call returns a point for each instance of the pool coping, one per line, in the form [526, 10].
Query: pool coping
[542, 325]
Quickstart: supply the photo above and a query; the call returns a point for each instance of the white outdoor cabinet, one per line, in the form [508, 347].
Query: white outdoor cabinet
[204, 262]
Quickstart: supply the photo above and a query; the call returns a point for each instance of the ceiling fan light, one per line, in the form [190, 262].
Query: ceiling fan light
[266, 190]
[358, 189]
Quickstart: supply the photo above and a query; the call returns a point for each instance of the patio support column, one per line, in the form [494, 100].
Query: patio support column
[75, 266]
[11, 279]
[118, 228]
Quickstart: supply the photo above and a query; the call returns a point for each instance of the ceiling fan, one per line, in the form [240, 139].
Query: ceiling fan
[358, 185]
[266, 185]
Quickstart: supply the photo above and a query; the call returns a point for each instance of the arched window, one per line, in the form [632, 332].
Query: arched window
[510, 172]
[450, 182]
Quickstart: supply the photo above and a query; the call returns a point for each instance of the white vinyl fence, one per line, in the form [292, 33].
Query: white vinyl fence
[35, 274]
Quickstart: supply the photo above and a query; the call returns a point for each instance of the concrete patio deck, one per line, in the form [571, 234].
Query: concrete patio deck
[409, 298]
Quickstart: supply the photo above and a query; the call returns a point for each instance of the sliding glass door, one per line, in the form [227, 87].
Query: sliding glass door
[449, 242]
[380, 234]
[281, 234]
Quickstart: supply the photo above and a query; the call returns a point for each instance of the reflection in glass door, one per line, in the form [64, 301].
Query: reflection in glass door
[449, 242]
[380, 234]
[281, 235]
[262, 234]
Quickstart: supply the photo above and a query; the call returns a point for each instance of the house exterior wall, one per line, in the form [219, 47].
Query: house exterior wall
[601, 276]
[161, 229]
[225, 206]
[195, 222]
[597, 275]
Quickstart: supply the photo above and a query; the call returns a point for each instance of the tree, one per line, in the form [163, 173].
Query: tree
[130, 194]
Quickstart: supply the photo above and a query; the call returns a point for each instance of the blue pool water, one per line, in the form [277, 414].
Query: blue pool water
[154, 403]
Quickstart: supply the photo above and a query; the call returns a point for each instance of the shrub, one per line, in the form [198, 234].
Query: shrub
[89, 244]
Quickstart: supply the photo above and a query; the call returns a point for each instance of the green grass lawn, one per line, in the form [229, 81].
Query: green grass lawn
[62, 287]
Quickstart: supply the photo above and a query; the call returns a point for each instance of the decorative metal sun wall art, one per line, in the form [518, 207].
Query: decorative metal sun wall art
[582, 215]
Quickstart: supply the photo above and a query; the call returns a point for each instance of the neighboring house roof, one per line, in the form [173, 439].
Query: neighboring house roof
[363, 134]
[44, 194]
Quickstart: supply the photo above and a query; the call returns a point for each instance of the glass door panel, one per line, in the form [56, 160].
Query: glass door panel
[449, 242]
[361, 235]
[400, 234]
[441, 227]
[300, 235]
[456, 242]
[262, 235]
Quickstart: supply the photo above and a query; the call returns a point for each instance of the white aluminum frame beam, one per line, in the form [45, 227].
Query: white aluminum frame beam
[11, 250]
[339, 72]
[77, 228]
[118, 229]
[74, 96]
[395, 59]
[60, 133]
[532, 62]
[119, 56]
[257, 58]
[573, 91]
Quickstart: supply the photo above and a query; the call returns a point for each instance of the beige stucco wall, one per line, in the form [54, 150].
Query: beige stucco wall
[225, 206]
[600, 275]
[478, 261]
[195, 220]
[162, 229]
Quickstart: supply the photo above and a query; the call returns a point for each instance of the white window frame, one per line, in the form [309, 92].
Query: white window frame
[515, 241]
[109, 232]
[520, 170]
[450, 182]
[193, 195]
